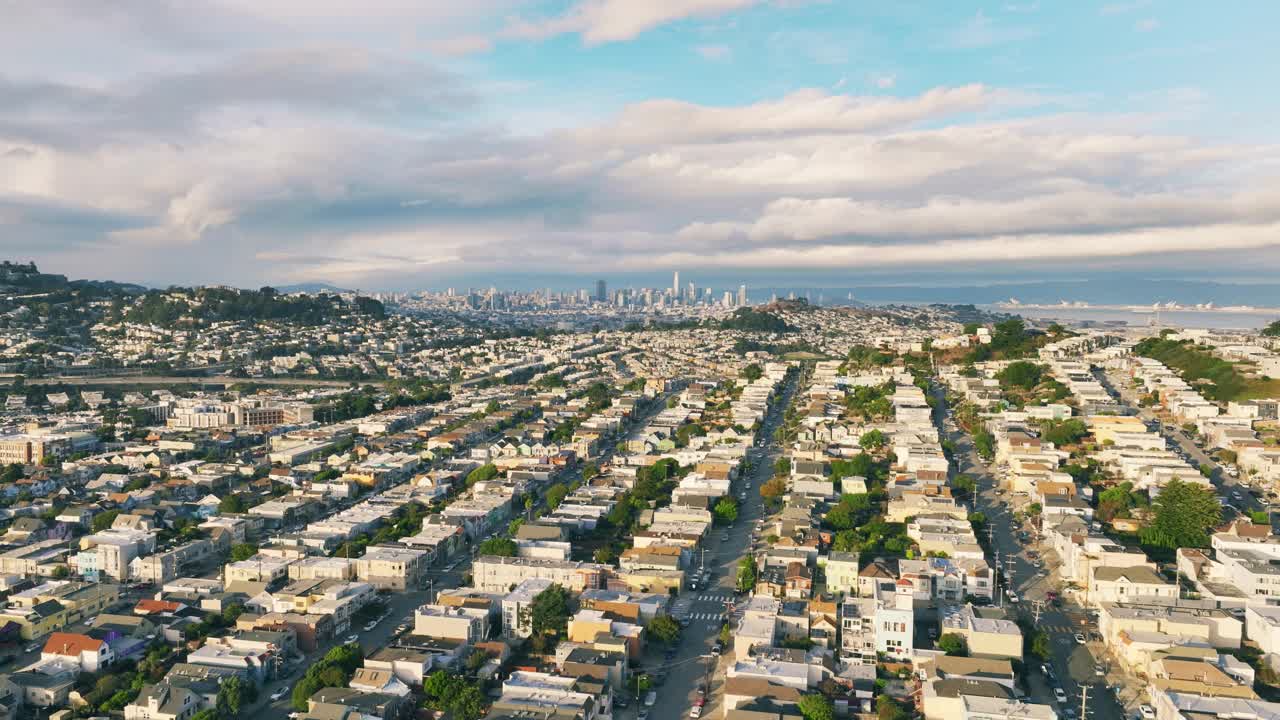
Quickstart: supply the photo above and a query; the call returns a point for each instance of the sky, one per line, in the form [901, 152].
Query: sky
[402, 144]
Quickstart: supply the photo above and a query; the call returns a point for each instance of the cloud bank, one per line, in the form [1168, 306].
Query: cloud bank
[324, 159]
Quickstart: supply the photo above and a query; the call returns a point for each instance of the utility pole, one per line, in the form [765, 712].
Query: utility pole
[996, 589]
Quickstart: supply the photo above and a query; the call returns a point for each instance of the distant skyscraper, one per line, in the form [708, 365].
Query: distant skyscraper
[693, 292]
[742, 296]
[675, 286]
[602, 294]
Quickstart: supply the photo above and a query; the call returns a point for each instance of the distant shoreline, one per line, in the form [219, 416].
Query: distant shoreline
[1141, 309]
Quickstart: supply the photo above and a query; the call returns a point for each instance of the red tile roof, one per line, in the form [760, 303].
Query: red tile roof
[71, 644]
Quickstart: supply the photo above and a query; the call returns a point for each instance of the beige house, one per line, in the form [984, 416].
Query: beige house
[1130, 584]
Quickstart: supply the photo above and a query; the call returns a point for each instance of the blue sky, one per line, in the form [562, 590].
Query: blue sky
[392, 143]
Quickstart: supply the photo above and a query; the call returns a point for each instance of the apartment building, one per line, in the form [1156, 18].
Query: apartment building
[392, 567]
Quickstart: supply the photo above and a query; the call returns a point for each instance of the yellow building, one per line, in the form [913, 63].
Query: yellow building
[54, 605]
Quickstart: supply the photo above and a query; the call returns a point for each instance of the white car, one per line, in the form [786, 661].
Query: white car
[1147, 712]
[277, 694]
[1059, 694]
[1080, 638]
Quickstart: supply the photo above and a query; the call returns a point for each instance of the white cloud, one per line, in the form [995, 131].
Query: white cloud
[801, 112]
[1146, 25]
[606, 21]
[305, 164]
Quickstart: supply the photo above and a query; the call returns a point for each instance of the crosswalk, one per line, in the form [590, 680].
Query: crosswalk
[715, 597]
[704, 616]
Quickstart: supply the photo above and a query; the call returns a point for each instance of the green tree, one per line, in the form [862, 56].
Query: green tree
[752, 372]
[233, 695]
[103, 520]
[665, 630]
[726, 510]
[1020, 374]
[984, 443]
[872, 440]
[556, 494]
[1065, 432]
[589, 470]
[548, 617]
[816, 707]
[499, 546]
[782, 466]
[953, 644]
[1038, 644]
[746, 579]
[1184, 513]
[488, 471]
[243, 551]
[964, 485]
[889, 709]
[232, 504]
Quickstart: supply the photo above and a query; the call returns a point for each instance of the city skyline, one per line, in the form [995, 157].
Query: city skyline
[389, 146]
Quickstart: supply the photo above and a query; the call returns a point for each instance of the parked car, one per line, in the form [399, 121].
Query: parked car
[1147, 712]
[695, 711]
[1059, 694]
[351, 639]
[1080, 638]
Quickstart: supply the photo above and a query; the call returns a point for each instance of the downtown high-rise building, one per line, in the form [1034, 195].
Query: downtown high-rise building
[742, 296]
[675, 286]
[602, 294]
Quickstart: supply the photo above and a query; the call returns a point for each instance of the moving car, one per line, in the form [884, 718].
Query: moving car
[351, 639]
[1080, 638]
[278, 694]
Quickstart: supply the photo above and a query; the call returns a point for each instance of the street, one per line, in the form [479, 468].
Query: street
[1072, 664]
[693, 662]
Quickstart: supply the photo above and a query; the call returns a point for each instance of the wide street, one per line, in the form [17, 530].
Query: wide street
[1072, 664]
[693, 662]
